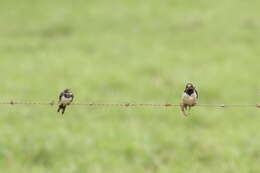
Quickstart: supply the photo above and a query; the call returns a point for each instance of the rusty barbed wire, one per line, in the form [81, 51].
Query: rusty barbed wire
[126, 104]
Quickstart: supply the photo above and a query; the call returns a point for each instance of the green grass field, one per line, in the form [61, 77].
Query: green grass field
[129, 52]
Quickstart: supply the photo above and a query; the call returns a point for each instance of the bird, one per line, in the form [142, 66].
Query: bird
[189, 98]
[65, 98]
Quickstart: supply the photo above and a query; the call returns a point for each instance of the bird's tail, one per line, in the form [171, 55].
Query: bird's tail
[59, 108]
[183, 108]
[62, 108]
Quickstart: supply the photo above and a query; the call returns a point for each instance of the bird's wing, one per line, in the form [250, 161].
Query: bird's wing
[72, 97]
[197, 94]
[61, 94]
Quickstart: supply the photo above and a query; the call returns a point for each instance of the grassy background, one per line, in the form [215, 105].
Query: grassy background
[129, 51]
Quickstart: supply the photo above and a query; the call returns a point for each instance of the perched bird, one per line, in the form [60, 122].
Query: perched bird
[65, 98]
[189, 97]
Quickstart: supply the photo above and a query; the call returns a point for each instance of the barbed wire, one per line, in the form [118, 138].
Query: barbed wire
[52, 103]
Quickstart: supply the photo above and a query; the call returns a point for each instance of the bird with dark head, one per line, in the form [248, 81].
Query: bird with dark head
[65, 98]
[189, 97]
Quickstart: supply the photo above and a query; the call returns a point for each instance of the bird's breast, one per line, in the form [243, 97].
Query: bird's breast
[66, 100]
[189, 99]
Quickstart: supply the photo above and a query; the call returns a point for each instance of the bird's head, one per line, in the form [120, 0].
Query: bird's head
[67, 90]
[189, 87]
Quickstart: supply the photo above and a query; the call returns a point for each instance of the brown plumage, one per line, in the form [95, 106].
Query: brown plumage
[189, 98]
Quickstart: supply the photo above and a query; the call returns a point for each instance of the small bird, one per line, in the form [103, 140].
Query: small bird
[189, 98]
[65, 98]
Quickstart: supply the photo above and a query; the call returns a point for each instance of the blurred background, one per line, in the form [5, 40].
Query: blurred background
[129, 51]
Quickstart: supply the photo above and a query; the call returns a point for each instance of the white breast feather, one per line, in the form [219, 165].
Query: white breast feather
[189, 99]
[65, 100]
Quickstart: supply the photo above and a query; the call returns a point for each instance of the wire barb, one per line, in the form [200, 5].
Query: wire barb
[11, 102]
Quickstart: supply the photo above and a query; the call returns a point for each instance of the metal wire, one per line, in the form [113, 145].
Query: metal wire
[126, 104]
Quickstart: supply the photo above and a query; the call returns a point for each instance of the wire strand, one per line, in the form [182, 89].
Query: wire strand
[126, 104]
